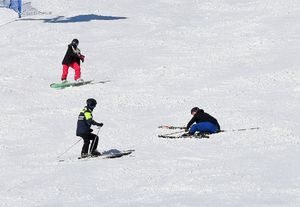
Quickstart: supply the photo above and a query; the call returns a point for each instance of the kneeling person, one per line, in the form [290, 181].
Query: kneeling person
[205, 123]
[84, 123]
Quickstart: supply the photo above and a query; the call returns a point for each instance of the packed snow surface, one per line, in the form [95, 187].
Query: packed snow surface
[237, 59]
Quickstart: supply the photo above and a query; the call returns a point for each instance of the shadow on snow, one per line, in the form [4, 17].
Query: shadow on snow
[79, 18]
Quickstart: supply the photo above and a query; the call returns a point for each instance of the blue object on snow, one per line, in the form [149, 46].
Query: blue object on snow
[15, 5]
[203, 127]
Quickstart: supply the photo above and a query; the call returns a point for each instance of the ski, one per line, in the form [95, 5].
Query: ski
[170, 127]
[109, 154]
[223, 130]
[104, 155]
[197, 136]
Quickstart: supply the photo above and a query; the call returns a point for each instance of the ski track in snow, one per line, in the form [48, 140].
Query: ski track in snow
[238, 60]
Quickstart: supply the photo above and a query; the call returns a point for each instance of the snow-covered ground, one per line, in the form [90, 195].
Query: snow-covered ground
[236, 59]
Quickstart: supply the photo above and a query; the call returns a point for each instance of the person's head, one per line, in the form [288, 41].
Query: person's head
[91, 103]
[75, 43]
[196, 110]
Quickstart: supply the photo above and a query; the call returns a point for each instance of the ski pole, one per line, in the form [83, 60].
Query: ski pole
[241, 129]
[98, 131]
[69, 148]
[92, 147]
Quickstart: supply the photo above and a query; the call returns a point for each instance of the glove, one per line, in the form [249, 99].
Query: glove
[99, 124]
[91, 130]
[81, 57]
[186, 129]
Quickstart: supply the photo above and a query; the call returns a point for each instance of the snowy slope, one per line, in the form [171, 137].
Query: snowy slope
[237, 59]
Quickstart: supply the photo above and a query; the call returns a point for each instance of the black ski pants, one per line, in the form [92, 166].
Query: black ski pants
[86, 142]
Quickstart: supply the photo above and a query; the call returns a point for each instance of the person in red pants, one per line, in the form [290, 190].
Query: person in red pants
[72, 59]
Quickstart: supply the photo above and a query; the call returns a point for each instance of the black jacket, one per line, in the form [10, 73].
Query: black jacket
[201, 116]
[85, 121]
[72, 55]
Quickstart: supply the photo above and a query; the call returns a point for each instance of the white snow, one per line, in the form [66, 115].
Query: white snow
[236, 59]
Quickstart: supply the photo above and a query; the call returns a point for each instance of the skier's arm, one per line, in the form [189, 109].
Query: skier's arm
[74, 53]
[190, 123]
[81, 57]
[97, 124]
[90, 121]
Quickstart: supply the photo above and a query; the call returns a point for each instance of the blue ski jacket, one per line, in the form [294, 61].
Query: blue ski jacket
[85, 121]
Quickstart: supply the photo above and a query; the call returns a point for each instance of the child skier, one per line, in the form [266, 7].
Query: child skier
[205, 123]
[72, 59]
[85, 120]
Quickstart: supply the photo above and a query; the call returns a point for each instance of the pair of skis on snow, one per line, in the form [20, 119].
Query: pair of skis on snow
[180, 134]
[175, 135]
[109, 154]
[114, 153]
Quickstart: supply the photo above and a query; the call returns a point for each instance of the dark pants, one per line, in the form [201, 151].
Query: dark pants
[86, 139]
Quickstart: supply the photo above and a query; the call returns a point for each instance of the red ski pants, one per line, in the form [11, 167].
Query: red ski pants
[73, 65]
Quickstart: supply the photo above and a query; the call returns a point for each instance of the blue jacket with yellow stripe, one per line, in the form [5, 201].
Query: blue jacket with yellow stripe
[85, 121]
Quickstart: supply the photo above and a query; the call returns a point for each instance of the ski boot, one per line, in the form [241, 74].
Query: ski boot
[95, 153]
[202, 135]
[64, 81]
[79, 80]
[84, 155]
[186, 135]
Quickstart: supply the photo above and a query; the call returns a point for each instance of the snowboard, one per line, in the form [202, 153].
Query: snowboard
[74, 84]
[69, 84]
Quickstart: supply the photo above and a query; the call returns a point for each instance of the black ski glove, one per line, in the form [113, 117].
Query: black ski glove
[99, 124]
[81, 57]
